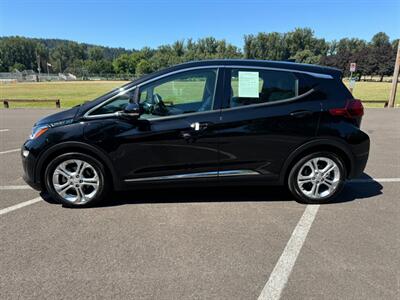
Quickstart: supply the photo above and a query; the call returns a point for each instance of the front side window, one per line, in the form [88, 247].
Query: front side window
[182, 93]
[250, 86]
[116, 104]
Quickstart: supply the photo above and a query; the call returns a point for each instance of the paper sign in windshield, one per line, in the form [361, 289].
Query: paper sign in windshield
[248, 84]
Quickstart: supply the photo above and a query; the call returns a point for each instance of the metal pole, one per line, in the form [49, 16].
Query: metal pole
[392, 97]
[38, 62]
[350, 83]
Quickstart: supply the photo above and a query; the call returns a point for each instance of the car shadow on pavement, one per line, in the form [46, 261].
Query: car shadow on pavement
[352, 191]
[191, 194]
[361, 188]
[196, 194]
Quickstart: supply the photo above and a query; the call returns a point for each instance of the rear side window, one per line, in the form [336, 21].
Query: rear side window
[250, 86]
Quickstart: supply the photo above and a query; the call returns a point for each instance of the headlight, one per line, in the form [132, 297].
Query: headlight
[25, 153]
[38, 131]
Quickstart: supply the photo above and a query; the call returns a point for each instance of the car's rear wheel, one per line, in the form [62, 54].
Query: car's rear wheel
[317, 178]
[76, 179]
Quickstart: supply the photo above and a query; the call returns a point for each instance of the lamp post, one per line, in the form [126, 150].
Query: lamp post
[48, 65]
[38, 66]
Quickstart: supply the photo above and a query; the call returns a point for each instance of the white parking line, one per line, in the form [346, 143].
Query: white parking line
[14, 187]
[280, 274]
[19, 205]
[4, 130]
[368, 180]
[10, 151]
[283, 268]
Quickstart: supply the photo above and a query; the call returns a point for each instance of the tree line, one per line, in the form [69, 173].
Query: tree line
[373, 58]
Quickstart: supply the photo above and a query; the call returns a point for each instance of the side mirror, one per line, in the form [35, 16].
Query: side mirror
[131, 111]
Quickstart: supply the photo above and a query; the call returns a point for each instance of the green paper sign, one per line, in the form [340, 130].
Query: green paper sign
[248, 84]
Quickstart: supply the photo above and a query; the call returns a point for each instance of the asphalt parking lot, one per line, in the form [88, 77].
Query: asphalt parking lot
[230, 243]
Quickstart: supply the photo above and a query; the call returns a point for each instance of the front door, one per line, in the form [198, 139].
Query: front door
[174, 138]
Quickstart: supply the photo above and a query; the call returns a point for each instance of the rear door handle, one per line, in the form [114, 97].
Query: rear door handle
[301, 113]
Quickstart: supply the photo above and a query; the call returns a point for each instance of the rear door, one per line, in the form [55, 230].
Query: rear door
[266, 115]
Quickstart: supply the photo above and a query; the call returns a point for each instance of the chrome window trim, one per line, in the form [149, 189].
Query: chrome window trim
[88, 116]
[197, 175]
[313, 74]
[183, 115]
[270, 103]
[179, 71]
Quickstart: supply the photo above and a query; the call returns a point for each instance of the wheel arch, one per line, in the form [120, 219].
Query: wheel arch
[80, 147]
[334, 146]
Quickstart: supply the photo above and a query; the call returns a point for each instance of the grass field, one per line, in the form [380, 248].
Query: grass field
[70, 93]
[73, 93]
[374, 91]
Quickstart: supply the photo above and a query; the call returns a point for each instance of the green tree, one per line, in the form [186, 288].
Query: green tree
[17, 50]
[306, 56]
[271, 46]
[16, 67]
[381, 49]
[380, 39]
[124, 64]
[143, 67]
[96, 53]
[278, 46]
[99, 67]
[65, 53]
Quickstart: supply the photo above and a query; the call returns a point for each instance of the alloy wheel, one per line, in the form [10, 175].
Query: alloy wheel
[318, 178]
[76, 181]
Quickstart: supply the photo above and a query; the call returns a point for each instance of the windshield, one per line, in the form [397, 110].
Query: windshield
[113, 92]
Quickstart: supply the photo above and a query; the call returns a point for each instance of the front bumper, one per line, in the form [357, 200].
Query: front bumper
[29, 164]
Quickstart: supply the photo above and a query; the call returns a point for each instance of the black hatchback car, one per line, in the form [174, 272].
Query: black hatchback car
[208, 122]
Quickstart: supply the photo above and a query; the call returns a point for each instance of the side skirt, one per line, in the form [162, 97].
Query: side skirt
[212, 174]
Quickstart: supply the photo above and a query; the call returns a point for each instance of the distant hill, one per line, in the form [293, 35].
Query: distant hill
[109, 53]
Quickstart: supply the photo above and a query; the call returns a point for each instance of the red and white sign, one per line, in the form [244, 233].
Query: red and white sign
[353, 67]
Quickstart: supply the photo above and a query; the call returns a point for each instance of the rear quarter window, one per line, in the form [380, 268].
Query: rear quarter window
[333, 90]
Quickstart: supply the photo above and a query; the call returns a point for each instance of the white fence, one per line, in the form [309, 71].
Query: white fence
[31, 76]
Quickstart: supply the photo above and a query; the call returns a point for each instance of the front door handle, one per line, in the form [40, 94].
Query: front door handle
[197, 126]
[301, 113]
[195, 131]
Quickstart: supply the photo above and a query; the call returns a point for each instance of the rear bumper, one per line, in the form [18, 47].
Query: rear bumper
[359, 165]
[360, 158]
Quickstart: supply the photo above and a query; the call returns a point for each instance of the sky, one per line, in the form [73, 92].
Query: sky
[135, 24]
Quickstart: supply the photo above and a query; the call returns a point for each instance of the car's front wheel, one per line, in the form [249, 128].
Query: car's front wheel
[76, 179]
[317, 178]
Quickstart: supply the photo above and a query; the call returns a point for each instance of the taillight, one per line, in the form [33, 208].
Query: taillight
[353, 109]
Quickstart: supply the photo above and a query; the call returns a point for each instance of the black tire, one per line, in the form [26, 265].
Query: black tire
[293, 175]
[103, 186]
